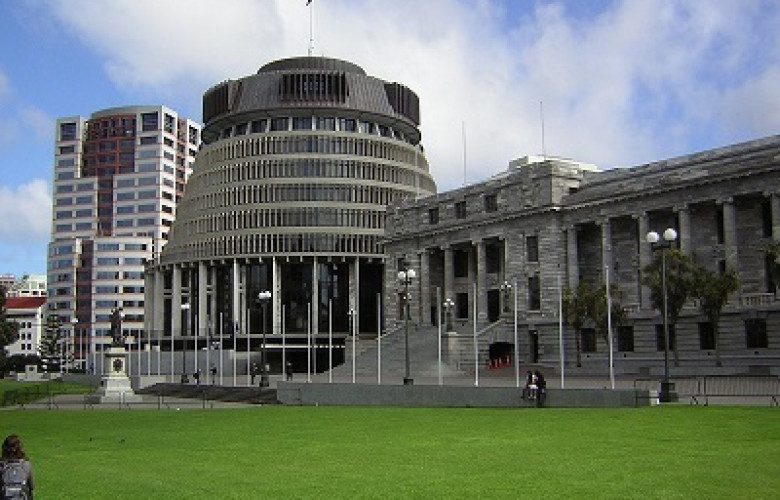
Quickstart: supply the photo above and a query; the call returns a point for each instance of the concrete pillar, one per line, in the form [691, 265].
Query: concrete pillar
[425, 288]
[315, 292]
[205, 320]
[481, 270]
[645, 257]
[572, 259]
[606, 248]
[774, 201]
[730, 235]
[684, 223]
[449, 274]
[176, 301]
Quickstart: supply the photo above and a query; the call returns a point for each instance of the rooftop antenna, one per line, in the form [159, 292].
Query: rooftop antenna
[541, 115]
[311, 31]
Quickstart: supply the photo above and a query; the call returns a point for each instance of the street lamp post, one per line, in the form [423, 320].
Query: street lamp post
[405, 277]
[263, 297]
[669, 236]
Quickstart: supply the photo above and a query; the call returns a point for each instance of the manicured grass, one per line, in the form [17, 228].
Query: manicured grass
[14, 393]
[327, 452]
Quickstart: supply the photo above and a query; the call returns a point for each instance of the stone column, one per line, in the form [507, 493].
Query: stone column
[645, 258]
[176, 301]
[572, 258]
[449, 274]
[774, 201]
[425, 288]
[606, 248]
[204, 318]
[481, 297]
[730, 235]
[684, 223]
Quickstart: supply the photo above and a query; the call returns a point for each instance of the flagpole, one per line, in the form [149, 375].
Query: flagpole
[438, 322]
[311, 30]
[609, 329]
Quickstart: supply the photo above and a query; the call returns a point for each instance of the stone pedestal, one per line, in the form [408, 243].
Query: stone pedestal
[115, 385]
[451, 347]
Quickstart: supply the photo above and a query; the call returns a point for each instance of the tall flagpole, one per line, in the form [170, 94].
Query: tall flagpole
[311, 30]
[609, 328]
[379, 339]
[560, 328]
[438, 322]
[517, 345]
[476, 345]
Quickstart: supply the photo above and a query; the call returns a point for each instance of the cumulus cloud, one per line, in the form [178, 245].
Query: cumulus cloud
[628, 83]
[26, 210]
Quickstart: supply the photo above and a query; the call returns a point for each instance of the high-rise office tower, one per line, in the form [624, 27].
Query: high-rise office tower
[118, 177]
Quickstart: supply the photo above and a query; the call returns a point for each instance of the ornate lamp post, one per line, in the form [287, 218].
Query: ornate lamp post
[405, 277]
[669, 236]
[263, 297]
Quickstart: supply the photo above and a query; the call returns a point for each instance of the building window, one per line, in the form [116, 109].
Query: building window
[462, 305]
[766, 218]
[706, 336]
[755, 333]
[433, 216]
[660, 339]
[492, 259]
[68, 131]
[534, 293]
[588, 336]
[491, 203]
[719, 225]
[532, 248]
[460, 209]
[150, 122]
[625, 338]
[460, 263]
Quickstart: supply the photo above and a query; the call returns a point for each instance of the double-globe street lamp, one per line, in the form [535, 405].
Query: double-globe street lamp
[405, 277]
[669, 236]
[449, 305]
[264, 297]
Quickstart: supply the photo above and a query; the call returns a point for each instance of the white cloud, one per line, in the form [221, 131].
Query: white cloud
[26, 214]
[635, 82]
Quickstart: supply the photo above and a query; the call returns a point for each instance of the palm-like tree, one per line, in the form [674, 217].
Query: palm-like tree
[712, 291]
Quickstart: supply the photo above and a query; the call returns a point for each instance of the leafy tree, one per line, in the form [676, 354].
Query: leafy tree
[712, 291]
[575, 309]
[679, 285]
[50, 344]
[598, 309]
[773, 259]
[9, 330]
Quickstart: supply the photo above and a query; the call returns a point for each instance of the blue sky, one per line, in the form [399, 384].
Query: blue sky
[622, 82]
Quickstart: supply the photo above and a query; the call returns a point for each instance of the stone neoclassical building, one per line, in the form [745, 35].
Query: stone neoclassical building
[546, 224]
[288, 195]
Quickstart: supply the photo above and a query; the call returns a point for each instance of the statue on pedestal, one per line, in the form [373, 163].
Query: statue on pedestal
[116, 328]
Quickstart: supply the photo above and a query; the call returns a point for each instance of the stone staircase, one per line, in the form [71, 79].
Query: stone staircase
[423, 356]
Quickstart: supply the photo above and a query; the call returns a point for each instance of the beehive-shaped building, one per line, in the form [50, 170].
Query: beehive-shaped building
[288, 196]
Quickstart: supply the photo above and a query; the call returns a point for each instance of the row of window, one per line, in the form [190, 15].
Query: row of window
[288, 145]
[490, 204]
[242, 194]
[264, 244]
[313, 123]
[313, 168]
[292, 217]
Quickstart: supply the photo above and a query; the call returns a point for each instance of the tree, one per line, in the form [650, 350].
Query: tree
[712, 291]
[773, 259]
[575, 310]
[50, 344]
[598, 309]
[9, 330]
[679, 286]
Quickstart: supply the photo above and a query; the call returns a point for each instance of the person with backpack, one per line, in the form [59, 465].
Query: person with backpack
[16, 480]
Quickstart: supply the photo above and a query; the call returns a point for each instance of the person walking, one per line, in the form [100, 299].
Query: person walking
[16, 480]
[541, 389]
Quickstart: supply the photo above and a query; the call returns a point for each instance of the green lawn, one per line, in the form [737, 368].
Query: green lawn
[327, 452]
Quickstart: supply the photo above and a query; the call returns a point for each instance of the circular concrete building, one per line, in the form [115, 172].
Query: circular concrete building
[288, 195]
